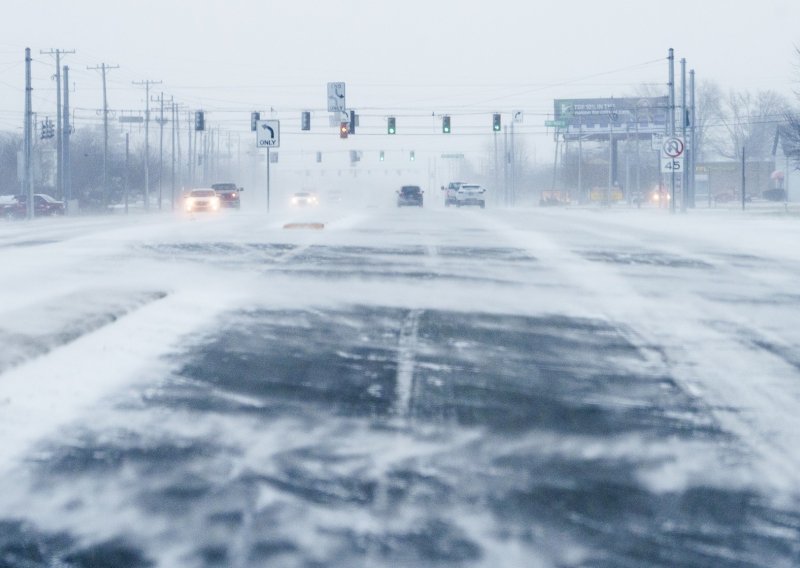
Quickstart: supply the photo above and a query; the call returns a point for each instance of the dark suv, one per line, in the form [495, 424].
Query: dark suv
[409, 195]
[228, 194]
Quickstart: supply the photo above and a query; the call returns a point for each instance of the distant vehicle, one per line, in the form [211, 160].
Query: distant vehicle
[305, 199]
[334, 197]
[450, 192]
[201, 200]
[16, 206]
[410, 195]
[553, 197]
[228, 194]
[470, 194]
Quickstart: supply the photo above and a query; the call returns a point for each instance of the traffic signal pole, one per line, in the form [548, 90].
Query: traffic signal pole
[268, 178]
[671, 117]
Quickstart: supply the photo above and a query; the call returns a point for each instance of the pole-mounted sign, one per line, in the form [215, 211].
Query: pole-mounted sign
[268, 133]
[672, 153]
[336, 101]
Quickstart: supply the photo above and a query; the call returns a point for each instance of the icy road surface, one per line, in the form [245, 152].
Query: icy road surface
[403, 388]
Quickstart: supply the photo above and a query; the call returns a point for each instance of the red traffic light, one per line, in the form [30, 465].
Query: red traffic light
[343, 130]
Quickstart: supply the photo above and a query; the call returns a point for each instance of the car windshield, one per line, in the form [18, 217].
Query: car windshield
[410, 190]
[204, 193]
[224, 186]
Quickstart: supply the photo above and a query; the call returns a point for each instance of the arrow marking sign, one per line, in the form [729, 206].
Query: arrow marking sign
[268, 133]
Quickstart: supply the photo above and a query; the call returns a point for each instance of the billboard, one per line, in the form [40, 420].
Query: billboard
[599, 118]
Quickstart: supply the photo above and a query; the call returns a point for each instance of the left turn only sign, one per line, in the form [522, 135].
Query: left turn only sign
[268, 133]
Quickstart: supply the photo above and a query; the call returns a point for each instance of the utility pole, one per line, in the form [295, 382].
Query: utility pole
[692, 141]
[178, 144]
[147, 83]
[672, 119]
[744, 192]
[27, 175]
[160, 99]
[580, 158]
[686, 160]
[66, 168]
[103, 68]
[173, 138]
[190, 151]
[512, 158]
[496, 167]
[127, 164]
[59, 140]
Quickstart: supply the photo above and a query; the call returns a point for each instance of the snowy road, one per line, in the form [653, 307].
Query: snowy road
[532, 388]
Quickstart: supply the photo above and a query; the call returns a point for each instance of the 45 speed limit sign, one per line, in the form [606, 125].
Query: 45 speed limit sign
[672, 152]
[671, 165]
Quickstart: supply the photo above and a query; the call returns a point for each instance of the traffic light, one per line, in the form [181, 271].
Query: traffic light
[199, 121]
[254, 118]
[446, 124]
[319, 157]
[496, 124]
[382, 156]
[352, 122]
[411, 156]
[391, 126]
[305, 121]
[343, 130]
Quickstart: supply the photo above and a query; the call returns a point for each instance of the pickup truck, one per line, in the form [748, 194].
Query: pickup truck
[228, 194]
[450, 192]
[16, 206]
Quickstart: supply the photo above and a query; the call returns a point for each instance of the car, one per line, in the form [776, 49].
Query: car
[410, 195]
[450, 192]
[470, 194]
[304, 199]
[16, 206]
[204, 199]
[228, 194]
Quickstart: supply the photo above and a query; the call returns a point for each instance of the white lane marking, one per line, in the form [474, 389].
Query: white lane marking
[406, 349]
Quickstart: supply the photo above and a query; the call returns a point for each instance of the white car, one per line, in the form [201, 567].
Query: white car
[201, 200]
[471, 194]
[304, 199]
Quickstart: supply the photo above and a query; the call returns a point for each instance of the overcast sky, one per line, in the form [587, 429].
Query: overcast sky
[412, 57]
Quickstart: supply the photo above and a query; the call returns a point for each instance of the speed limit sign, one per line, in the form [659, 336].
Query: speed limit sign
[671, 165]
[672, 152]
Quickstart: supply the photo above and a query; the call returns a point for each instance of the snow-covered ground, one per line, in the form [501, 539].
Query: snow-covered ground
[435, 387]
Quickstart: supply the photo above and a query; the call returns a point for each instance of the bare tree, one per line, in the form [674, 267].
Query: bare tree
[708, 112]
[749, 120]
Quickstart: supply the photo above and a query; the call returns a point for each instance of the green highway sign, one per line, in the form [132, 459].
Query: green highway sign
[556, 123]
